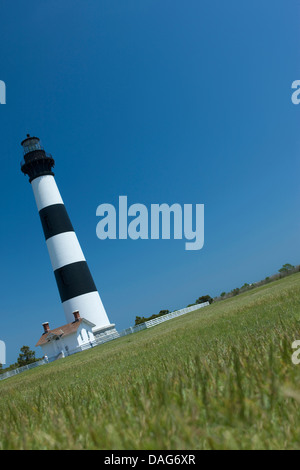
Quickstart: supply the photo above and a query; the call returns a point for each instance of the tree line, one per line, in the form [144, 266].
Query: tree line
[26, 357]
[201, 300]
[285, 270]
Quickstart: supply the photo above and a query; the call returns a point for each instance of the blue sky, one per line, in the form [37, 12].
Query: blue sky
[163, 101]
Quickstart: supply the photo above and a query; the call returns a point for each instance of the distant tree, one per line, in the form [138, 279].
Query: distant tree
[163, 312]
[204, 298]
[222, 294]
[26, 356]
[286, 268]
[245, 286]
[152, 317]
[139, 320]
[235, 291]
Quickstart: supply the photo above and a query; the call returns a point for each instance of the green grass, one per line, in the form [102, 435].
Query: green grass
[217, 378]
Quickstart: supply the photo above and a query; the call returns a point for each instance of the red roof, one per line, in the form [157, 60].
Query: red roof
[64, 330]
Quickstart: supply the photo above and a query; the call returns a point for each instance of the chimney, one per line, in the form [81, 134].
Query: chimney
[76, 315]
[46, 327]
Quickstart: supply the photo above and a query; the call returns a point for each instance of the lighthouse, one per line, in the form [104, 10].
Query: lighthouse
[76, 286]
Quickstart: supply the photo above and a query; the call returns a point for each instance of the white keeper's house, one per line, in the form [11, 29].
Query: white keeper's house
[67, 339]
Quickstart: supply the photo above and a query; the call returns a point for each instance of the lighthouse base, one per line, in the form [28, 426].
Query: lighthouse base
[90, 307]
[105, 333]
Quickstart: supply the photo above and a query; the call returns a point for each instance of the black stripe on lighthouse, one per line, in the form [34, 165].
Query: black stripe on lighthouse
[55, 220]
[73, 280]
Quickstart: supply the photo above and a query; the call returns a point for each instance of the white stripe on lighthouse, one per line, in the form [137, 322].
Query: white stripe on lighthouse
[64, 249]
[46, 191]
[90, 307]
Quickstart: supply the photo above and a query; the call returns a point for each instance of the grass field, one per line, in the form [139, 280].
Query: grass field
[218, 378]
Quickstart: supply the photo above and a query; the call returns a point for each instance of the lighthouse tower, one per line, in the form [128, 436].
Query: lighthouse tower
[74, 281]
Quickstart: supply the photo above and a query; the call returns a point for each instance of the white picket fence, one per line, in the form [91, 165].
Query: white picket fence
[108, 337]
[163, 318]
[177, 313]
[17, 371]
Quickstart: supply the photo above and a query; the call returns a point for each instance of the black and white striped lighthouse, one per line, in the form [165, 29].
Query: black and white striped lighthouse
[74, 281]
